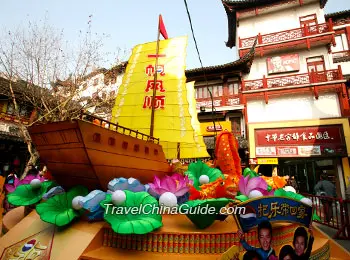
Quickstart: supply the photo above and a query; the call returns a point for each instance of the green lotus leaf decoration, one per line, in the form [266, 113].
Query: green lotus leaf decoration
[124, 219]
[58, 210]
[193, 211]
[242, 197]
[197, 169]
[26, 195]
[289, 194]
[247, 171]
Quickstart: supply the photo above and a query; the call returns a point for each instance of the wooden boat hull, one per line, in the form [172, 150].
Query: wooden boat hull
[80, 153]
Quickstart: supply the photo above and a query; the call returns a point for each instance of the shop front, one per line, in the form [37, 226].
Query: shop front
[13, 150]
[209, 132]
[305, 150]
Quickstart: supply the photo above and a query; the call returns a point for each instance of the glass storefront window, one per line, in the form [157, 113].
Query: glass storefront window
[307, 172]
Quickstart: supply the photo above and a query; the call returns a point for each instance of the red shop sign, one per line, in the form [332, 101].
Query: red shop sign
[312, 135]
[212, 128]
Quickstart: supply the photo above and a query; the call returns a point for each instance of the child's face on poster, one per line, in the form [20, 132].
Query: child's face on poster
[299, 245]
[265, 239]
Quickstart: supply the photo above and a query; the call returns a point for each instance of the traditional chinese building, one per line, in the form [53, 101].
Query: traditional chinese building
[341, 52]
[13, 149]
[100, 86]
[223, 81]
[295, 93]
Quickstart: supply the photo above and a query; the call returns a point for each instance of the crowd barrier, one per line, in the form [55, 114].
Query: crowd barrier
[334, 213]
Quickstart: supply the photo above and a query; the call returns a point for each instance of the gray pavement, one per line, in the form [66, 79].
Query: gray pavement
[331, 232]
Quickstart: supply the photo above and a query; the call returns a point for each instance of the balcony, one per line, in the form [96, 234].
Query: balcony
[329, 80]
[303, 79]
[297, 38]
[13, 118]
[222, 101]
[341, 56]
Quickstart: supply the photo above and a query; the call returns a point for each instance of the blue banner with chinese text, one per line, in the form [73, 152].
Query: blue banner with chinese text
[272, 209]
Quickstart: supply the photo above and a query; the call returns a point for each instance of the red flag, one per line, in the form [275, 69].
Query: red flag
[162, 29]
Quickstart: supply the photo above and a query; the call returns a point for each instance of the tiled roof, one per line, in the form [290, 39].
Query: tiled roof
[339, 14]
[232, 6]
[243, 65]
[21, 88]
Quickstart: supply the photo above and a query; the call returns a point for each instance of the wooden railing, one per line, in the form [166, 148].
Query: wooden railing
[224, 100]
[287, 35]
[115, 127]
[292, 80]
[13, 118]
[340, 56]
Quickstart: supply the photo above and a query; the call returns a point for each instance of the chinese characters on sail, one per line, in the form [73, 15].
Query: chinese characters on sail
[159, 100]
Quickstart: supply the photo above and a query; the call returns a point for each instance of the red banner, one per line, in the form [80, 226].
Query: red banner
[285, 63]
[300, 141]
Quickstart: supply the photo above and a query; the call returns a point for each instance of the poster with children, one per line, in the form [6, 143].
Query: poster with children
[273, 209]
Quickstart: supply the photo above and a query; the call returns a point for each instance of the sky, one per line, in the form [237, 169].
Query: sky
[128, 23]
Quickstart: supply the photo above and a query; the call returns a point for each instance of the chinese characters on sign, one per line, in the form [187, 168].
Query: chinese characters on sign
[159, 101]
[270, 151]
[273, 209]
[283, 209]
[300, 141]
[295, 136]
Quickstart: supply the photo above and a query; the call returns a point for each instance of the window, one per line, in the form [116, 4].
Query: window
[111, 141]
[310, 22]
[236, 125]
[155, 152]
[136, 147]
[125, 145]
[203, 92]
[146, 150]
[96, 137]
[315, 64]
[10, 108]
[233, 88]
[23, 111]
[341, 43]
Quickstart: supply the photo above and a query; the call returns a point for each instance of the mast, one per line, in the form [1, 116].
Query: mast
[155, 81]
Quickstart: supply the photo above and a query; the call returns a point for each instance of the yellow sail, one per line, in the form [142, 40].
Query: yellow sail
[175, 113]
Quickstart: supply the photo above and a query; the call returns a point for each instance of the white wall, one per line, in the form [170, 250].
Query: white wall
[259, 66]
[345, 66]
[278, 21]
[297, 107]
[90, 89]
